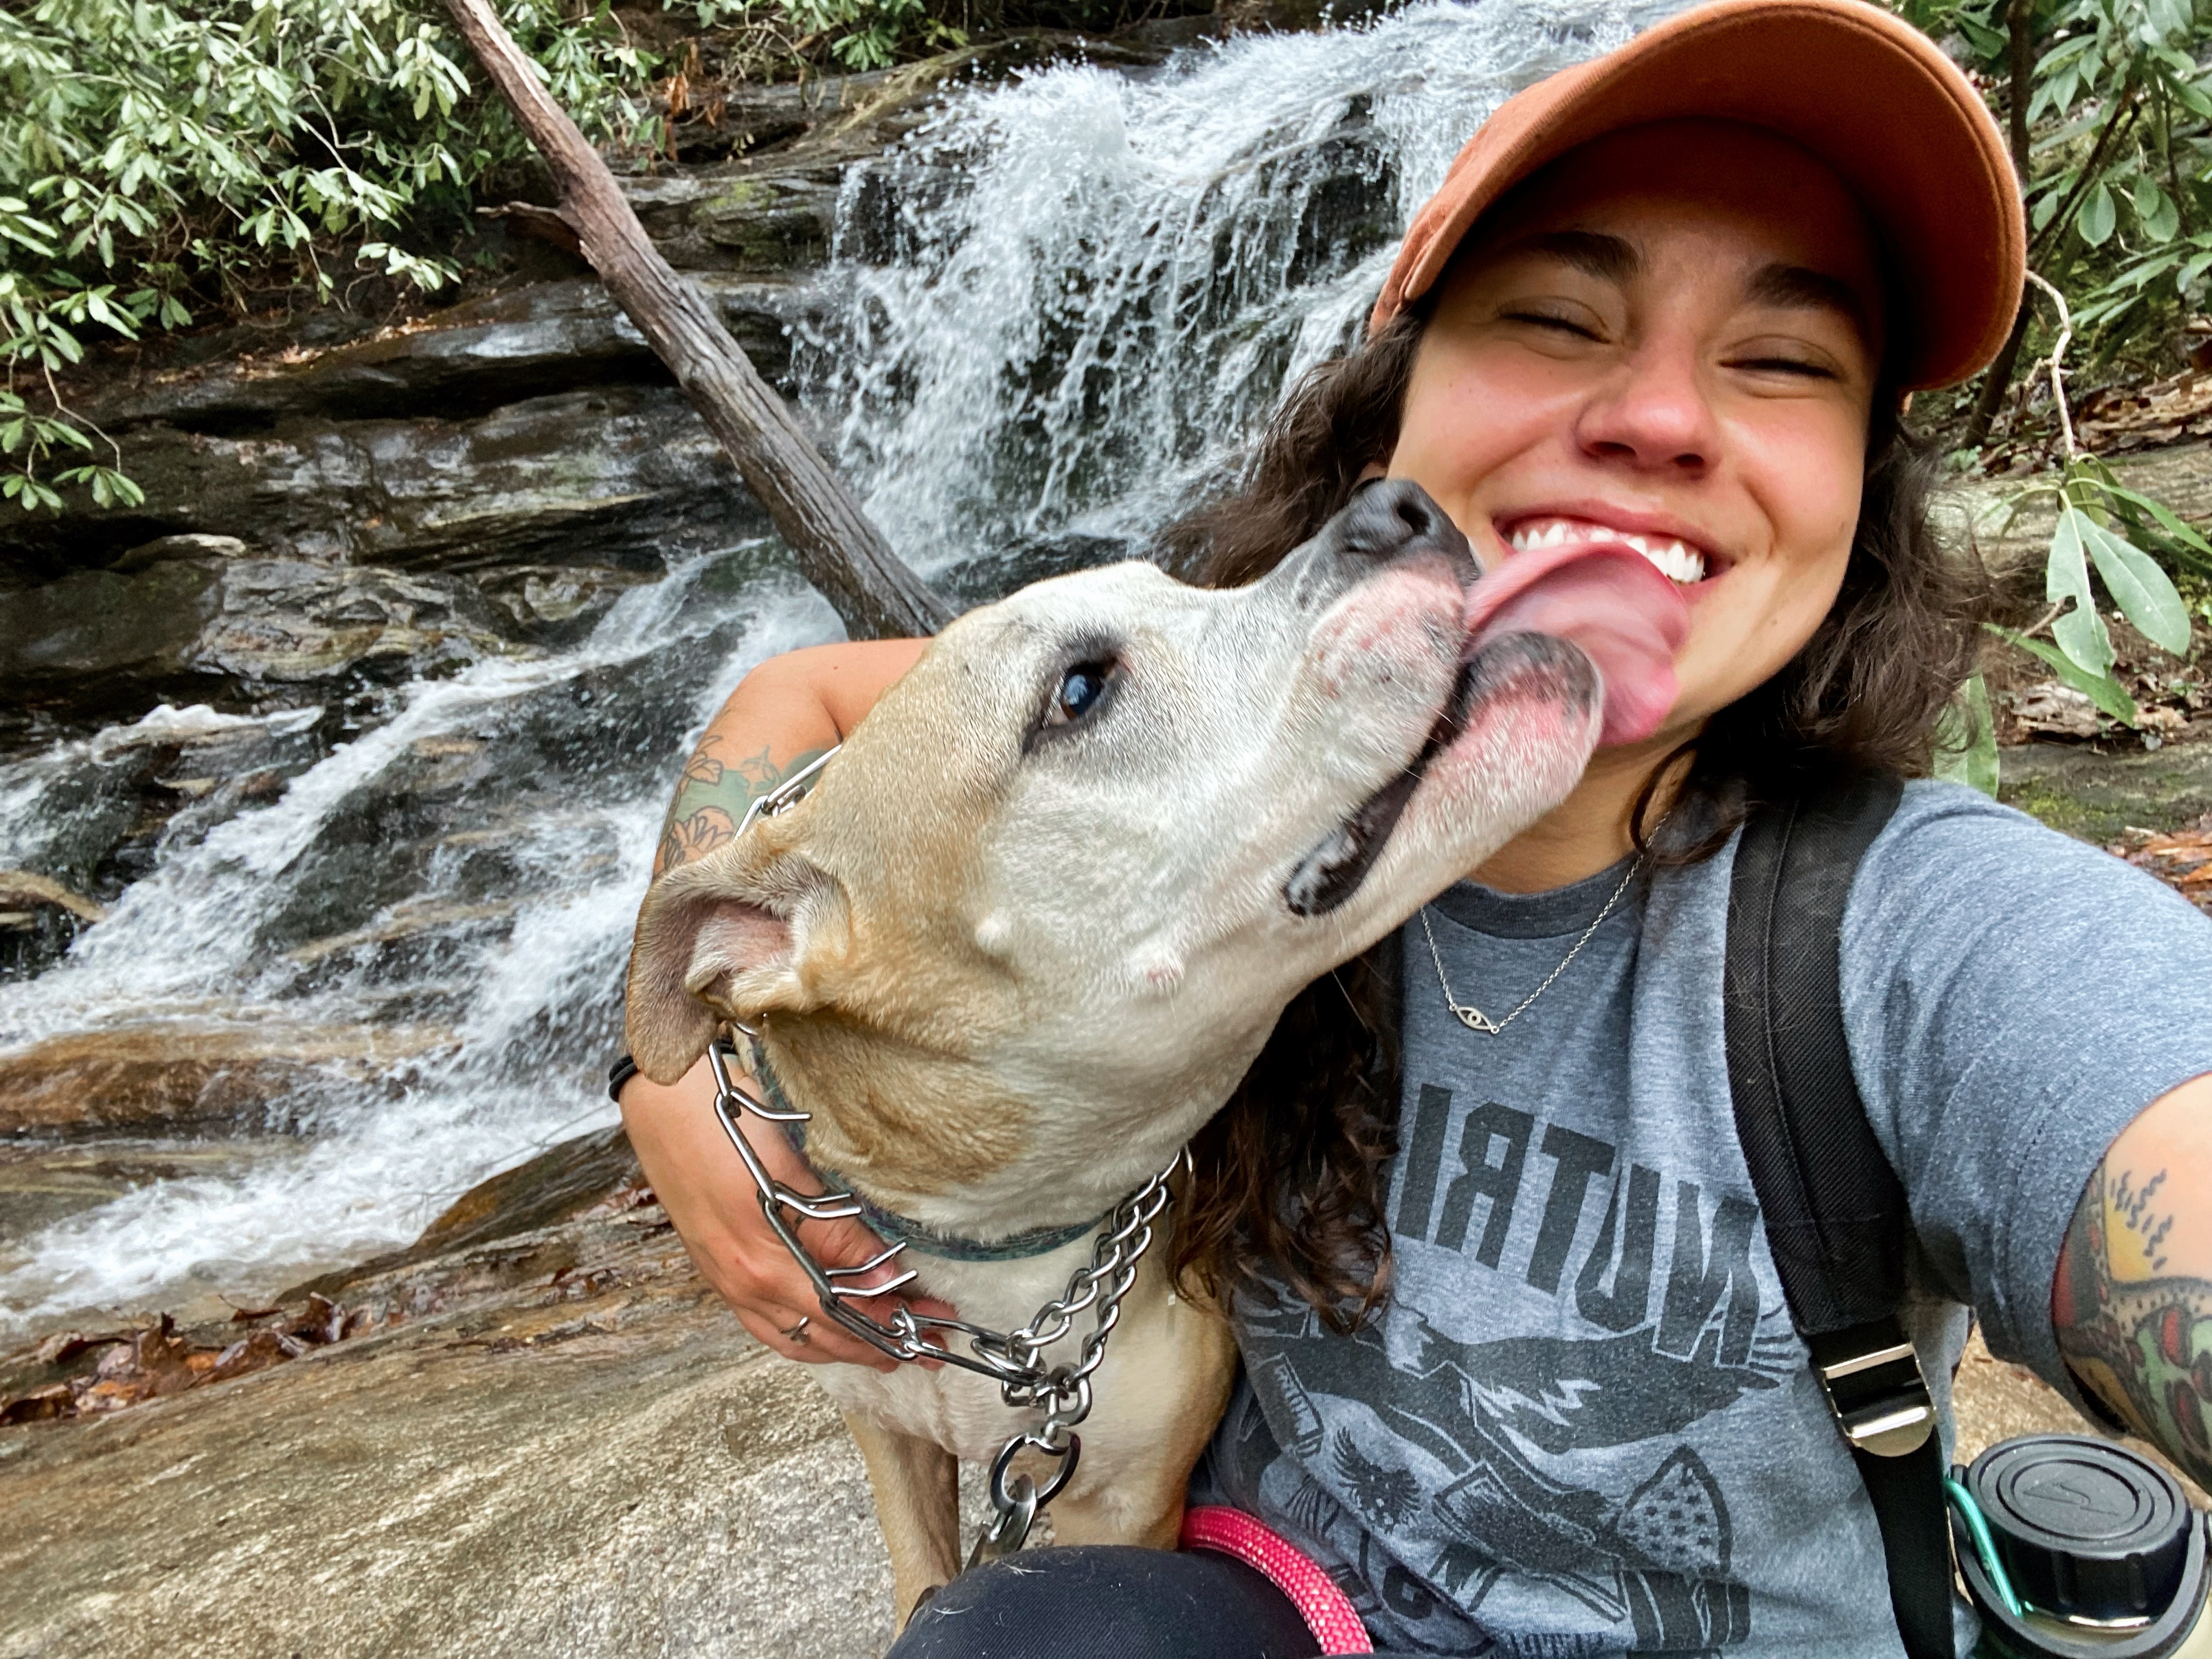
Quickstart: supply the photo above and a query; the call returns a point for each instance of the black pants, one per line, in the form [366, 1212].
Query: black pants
[1107, 1602]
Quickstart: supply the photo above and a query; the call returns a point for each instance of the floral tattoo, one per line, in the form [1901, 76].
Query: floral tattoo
[712, 796]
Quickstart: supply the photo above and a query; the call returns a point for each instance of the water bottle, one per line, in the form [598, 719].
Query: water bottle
[2075, 1548]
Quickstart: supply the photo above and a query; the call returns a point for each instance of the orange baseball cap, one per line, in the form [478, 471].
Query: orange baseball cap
[1864, 91]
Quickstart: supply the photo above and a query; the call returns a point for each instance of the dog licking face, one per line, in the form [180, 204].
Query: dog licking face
[1087, 849]
[1045, 904]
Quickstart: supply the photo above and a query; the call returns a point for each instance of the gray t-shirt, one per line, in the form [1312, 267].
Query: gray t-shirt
[1584, 1425]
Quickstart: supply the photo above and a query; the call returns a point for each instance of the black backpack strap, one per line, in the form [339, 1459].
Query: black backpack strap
[1834, 1210]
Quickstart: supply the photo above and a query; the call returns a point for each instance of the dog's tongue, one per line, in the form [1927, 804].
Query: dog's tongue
[1608, 599]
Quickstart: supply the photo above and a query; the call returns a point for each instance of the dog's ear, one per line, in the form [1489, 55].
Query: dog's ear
[721, 939]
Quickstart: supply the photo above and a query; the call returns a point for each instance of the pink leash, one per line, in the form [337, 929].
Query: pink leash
[1326, 1609]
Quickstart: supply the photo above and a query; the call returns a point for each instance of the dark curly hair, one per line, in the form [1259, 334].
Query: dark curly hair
[1291, 1172]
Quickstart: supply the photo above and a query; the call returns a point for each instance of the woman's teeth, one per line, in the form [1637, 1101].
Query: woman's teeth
[1675, 561]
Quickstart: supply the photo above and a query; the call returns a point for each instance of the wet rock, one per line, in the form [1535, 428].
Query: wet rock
[173, 1073]
[556, 605]
[283, 621]
[464, 361]
[112, 634]
[592, 1173]
[164, 548]
[20, 889]
[739, 223]
[382, 550]
[617, 476]
[40, 919]
[44, 1179]
[532, 428]
[990, 576]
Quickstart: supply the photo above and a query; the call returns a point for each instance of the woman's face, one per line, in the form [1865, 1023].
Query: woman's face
[1671, 335]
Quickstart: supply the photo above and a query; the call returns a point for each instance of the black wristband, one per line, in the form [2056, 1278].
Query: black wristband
[620, 1072]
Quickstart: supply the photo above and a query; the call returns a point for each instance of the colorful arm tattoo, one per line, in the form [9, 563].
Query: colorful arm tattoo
[712, 796]
[2135, 1325]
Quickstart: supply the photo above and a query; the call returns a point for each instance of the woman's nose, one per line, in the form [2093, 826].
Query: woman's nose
[1652, 414]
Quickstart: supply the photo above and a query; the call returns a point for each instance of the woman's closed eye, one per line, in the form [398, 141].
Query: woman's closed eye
[1801, 363]
[1566, 322]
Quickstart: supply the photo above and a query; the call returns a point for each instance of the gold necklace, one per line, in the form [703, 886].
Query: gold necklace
[1471, 1017]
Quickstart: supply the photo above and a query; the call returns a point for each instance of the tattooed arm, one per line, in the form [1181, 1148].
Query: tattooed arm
[2132, 1303]
[788, 710]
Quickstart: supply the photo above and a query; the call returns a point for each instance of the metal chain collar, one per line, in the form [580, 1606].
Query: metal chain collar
[1013, 1359]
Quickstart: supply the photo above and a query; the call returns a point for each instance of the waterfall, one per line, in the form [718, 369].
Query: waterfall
[489, 907]
[1066, 304]
[1051, 319]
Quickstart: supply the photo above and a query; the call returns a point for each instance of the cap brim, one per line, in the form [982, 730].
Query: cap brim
[1865, 92]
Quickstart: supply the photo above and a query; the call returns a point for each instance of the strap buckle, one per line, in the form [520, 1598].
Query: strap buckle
[1876, 1391]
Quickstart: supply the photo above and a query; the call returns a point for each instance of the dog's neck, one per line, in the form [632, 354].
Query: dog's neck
[943, 1148]
[896, 1228]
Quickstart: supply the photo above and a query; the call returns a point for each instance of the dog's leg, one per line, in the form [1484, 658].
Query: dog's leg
[917, 1490]
[1143, 1502]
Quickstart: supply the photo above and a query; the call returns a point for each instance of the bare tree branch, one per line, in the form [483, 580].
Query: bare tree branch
[840, 551]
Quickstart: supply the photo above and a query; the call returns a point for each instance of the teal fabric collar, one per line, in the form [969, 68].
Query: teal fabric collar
[894, 1229]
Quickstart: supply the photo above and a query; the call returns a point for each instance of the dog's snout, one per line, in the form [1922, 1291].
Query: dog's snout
[1392, 517]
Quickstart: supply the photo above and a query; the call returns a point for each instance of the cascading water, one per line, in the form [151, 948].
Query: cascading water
[1051, 320]
[1068, 304]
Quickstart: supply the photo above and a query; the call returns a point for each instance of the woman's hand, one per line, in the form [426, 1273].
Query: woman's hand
[702, 1184]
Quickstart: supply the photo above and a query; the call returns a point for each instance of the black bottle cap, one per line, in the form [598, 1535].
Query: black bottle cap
[2086, 1530]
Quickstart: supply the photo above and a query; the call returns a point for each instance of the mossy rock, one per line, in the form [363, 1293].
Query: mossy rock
[768, 225]
[2094, 794]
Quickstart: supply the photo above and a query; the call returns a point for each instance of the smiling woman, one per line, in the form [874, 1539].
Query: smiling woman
[1520, 1372]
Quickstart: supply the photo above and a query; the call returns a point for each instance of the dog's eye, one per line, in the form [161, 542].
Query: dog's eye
[1080, 689]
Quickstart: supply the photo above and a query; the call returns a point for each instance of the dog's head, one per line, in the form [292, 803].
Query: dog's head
[1085, 852]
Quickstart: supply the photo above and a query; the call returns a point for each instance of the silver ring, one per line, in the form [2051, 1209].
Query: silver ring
[796, 1335]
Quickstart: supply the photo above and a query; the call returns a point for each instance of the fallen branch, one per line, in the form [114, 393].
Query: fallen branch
[839, 550]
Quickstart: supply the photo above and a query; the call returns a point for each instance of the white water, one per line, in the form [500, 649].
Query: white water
[1071, 300]
[1058, 311]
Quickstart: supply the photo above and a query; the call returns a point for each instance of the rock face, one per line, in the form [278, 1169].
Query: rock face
[336, 508]
[553, 1442]
[489, 482]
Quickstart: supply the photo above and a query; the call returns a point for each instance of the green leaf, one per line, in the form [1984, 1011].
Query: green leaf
[2079, 631]
[2162, 514]
[2156, 211]
[1967, 740]
[2107, 693]
[2144, 593]
[1986, 41]
[2097, 216]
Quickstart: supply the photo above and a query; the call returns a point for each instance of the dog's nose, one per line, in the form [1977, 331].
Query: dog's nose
[1392, 517]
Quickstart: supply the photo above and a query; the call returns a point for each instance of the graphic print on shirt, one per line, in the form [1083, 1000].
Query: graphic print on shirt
[1439, 1468]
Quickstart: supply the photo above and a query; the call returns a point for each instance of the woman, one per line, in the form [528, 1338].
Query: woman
[1518, 1373]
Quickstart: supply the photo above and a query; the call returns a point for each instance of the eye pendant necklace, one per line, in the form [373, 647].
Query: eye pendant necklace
[1471, 1017]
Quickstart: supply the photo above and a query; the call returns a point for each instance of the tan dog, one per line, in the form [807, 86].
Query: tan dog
[1048, 903]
